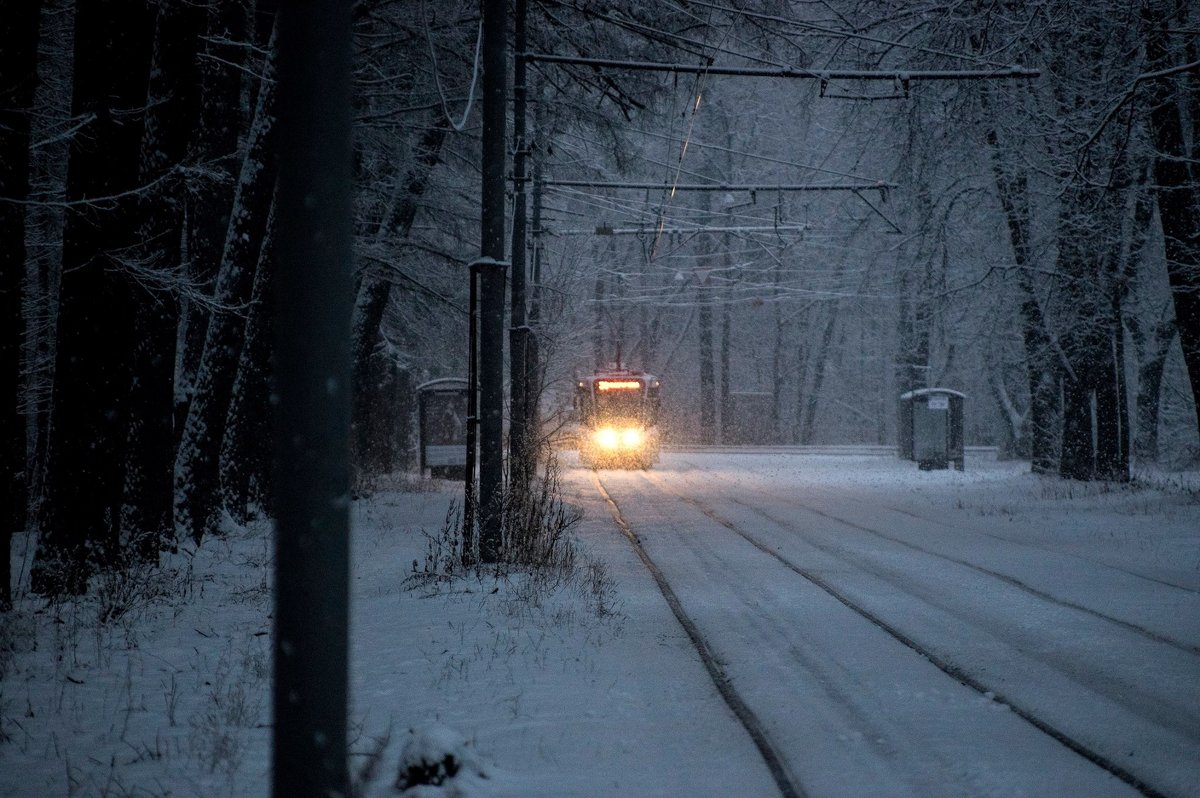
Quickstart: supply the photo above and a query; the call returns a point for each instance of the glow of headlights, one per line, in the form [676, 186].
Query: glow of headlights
[607, 438]
[631, 437]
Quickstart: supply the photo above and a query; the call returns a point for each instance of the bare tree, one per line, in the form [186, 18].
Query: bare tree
[1175, 104]
[197, 486]
[18, 75]
[84, 475]
[146, 517]
[213, 164]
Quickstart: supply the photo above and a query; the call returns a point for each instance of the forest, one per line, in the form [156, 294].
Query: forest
[807, 210]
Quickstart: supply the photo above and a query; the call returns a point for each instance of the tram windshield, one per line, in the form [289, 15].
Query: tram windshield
[620, 402]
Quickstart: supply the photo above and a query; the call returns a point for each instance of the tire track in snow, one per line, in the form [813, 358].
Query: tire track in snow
[949, 668]
[788, 788]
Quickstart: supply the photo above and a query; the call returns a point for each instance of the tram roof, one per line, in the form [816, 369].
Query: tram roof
[932, 392]
[618, 374]
[443, 384]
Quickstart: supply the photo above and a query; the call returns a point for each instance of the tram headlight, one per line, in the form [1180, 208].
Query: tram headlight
[612, 438]
[607, 438]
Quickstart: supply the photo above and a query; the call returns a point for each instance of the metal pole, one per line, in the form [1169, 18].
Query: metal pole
[533, 361]
[491, 284]
[469, 492]
[535, 299]
[519, 470]
[315, 298]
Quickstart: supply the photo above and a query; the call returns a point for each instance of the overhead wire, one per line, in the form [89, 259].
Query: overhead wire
[767, 158]
[698, 92]
[684, 216]
[650, 32]
[834, 32]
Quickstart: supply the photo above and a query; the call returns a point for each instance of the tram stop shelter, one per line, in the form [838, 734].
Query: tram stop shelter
[930, 427]
[442, 424]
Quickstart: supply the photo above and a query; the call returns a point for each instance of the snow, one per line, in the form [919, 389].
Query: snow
[1074, 604]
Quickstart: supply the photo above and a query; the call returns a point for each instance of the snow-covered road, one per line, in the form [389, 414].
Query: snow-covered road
[896, 632]
[732, 624]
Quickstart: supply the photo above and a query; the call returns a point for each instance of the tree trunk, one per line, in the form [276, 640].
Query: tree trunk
[727, 420]
[707, 382]
[150, 461]
[1076, 460]
[812, 401]
[44, 228]
[912, 340]
[197, 489]
[1177, 179]
[1112, 402]
[1150, 341]
[18, 76]
[373, 296]
[1040, 363]
[777, 362]
[1014, 442]
[802, 358]
[84, 479]
[213, 152]
[1095, 433]
[374, 291]
[245, 465]
[727, 430]
[600, 352]
[1149, 397]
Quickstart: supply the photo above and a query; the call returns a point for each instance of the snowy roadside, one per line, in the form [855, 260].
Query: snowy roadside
[579, 686]
[575, 687]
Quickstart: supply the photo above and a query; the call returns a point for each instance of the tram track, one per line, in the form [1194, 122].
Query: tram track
[1013, 581]
[942, 663]
[788, 787]
[1150, 634]
[1003, 539]
[1053, 660]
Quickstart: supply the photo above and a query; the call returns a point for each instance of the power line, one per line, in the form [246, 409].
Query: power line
[604, 230]
[901, 76]
[751, 187]
[845, 34]
[756, 156]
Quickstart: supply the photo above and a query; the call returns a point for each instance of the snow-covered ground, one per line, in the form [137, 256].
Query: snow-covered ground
[891, 631]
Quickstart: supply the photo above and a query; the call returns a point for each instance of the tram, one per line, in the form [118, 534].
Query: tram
[618, 414]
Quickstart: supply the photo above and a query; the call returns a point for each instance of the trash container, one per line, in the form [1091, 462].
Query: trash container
[930, 427]
[442, 421]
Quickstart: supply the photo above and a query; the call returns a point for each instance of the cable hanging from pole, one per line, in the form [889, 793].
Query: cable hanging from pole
[697, 89]
[662, 219]
[461, 125]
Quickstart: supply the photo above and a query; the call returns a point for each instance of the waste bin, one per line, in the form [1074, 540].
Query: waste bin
[442, 419]
[930, 427]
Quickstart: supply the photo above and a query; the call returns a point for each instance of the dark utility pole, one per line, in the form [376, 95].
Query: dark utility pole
[533, 357]
[520, 467]
[313, 300]
[491, 284]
